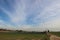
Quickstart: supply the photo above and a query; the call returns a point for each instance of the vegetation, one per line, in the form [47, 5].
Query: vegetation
[22, 36]
[56, 33]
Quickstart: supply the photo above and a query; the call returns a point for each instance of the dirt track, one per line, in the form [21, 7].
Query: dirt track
[53, 37]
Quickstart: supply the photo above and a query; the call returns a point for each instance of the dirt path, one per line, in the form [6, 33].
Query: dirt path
[54, 37]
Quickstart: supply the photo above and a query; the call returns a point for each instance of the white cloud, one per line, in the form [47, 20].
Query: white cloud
[6, 26]
[19, 13]
[50, 11]
[52, 25]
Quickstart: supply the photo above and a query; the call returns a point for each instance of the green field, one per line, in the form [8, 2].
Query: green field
[25, 36]
[56, 33]
[22, 36]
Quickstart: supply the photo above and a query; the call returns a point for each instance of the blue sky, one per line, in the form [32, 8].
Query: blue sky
[30, 14]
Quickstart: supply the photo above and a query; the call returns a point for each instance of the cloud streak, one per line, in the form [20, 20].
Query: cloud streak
[28, 14]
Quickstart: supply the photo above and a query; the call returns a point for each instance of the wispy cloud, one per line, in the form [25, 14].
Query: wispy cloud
[28, 14]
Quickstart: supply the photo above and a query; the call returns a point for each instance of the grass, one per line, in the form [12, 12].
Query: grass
[25, 36]
[56, 33]
[21, 36]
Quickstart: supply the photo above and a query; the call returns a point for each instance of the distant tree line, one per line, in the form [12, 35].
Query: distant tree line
[21, 31]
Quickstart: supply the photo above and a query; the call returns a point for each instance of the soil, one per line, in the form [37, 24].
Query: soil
[54, 37]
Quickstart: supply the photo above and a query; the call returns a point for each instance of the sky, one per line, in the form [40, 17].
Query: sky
[31, 15]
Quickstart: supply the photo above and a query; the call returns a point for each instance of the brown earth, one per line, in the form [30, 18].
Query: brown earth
[54, 37]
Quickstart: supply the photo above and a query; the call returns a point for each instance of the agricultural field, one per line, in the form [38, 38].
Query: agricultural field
[22, 36]
[29, 36]
[56, 33]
